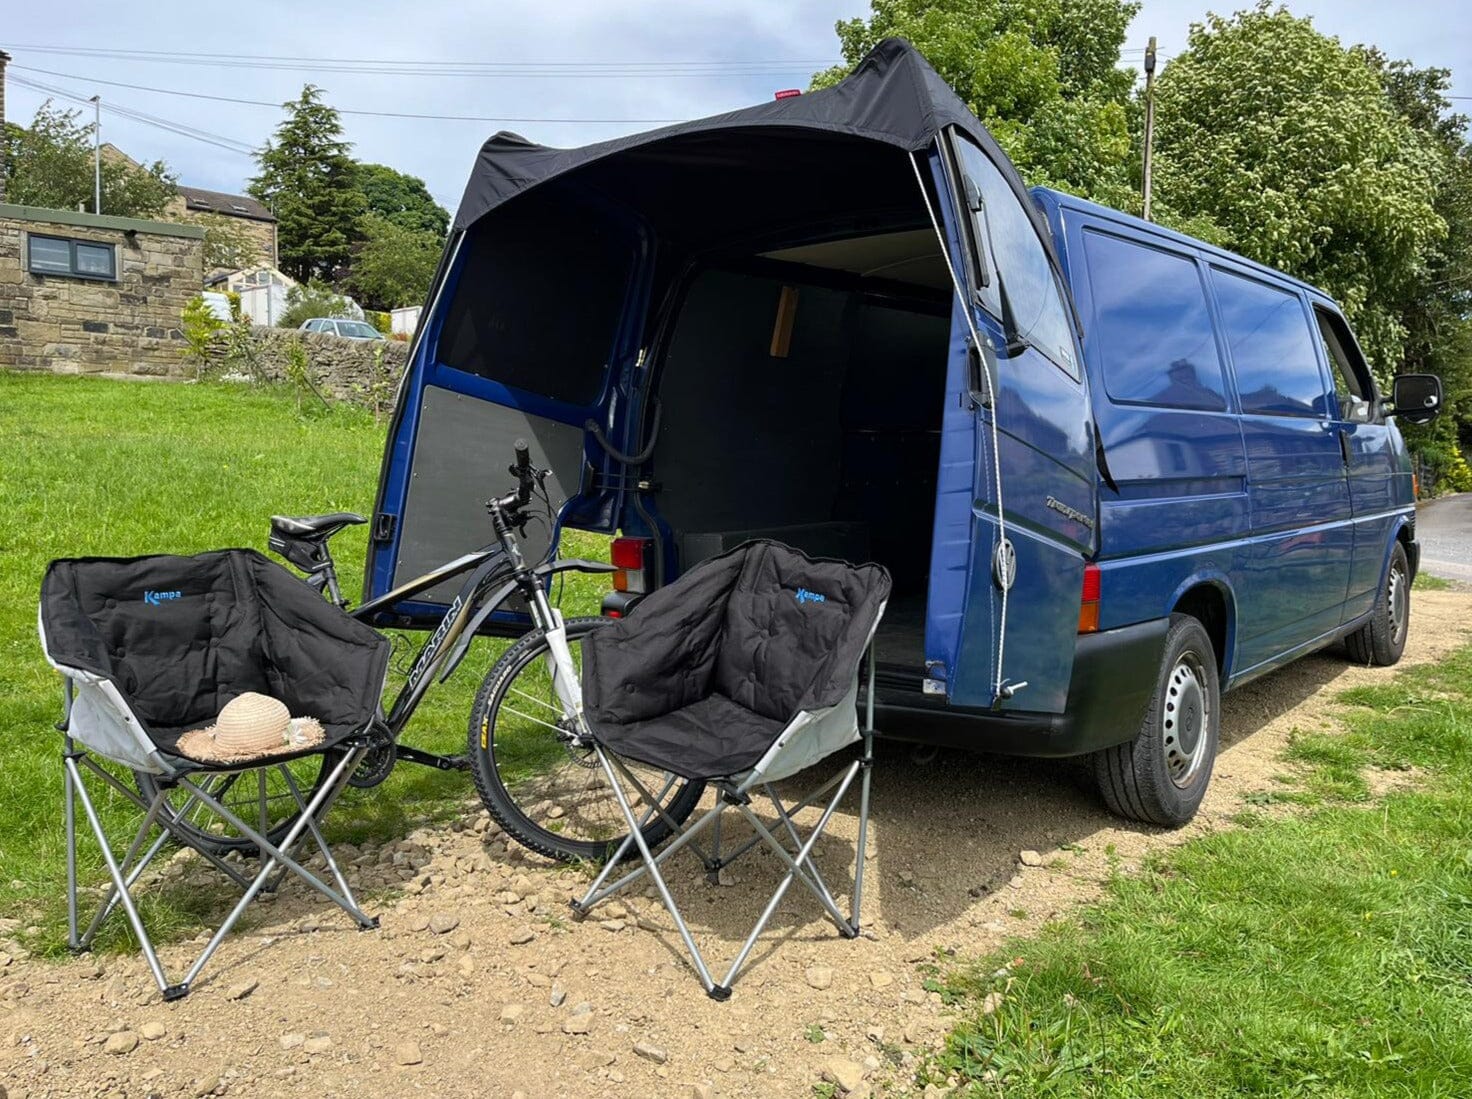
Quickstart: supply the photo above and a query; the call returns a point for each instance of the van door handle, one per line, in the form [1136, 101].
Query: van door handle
[1344, 445]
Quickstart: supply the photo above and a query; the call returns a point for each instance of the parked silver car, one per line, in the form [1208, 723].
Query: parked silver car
[345, 327]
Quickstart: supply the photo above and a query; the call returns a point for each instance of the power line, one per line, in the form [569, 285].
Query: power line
[340, 110]
[562, 70]
[179, 128]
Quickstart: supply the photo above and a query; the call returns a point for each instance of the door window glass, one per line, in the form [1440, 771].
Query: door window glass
[1151, 328]
[1018, 259]
[1272, 347]
[1353, 390]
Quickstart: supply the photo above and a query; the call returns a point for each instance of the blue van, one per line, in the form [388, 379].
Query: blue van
[1114, 471]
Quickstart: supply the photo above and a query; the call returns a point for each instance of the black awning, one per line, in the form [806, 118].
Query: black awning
[893, 97]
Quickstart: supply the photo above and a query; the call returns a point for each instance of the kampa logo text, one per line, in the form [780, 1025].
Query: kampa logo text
[805, 596]
[154, 598]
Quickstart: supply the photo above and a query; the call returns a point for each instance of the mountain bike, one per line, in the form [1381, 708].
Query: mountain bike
[527, 746]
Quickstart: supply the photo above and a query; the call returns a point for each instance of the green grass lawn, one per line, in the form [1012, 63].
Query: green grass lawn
[100, 467]
[1325, 954]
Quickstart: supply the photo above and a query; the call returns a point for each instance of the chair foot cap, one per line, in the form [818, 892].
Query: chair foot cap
[579, 913]
[849, 931]
[175, 992]
[79, 948]
[370, 924]
[719, 993]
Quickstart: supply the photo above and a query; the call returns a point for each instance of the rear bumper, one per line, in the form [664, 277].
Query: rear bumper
[1114, 675]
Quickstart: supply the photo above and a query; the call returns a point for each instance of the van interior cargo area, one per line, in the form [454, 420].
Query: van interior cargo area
[796, 315]
[801, 395]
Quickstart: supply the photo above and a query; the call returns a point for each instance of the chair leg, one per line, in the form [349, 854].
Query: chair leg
[304, 821]
[794, 870]
[714, 991]
[867, 763]
[70, 809]
[126, 899]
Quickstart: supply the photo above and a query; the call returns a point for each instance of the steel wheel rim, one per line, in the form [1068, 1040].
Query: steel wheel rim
[1400, 604]
[1185, 720]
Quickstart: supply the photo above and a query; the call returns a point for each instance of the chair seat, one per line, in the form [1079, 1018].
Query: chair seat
[713, 737]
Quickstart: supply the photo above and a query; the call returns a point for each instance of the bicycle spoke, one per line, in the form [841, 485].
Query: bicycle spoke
[538, 701]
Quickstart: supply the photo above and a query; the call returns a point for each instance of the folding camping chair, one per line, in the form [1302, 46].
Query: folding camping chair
[743, 672]
[152, 647]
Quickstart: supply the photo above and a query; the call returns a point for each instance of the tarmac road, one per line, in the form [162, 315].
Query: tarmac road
[1444, 529]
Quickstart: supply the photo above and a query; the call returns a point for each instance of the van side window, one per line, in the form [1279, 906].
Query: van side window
[1353, 389]
[1151, 327]
[1272, 347]
[1018, 258]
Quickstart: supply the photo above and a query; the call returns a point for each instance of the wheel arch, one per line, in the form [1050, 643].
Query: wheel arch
[1209, 600]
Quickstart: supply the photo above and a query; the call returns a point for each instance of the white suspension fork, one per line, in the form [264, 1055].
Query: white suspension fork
[560, 666]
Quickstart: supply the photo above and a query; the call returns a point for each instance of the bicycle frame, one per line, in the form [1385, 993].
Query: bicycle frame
[496, 573]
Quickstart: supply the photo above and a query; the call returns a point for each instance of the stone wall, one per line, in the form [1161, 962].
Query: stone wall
[357, 370]
[127, 324]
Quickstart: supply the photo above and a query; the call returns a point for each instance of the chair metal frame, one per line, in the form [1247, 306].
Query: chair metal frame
[735, 792]
[276, 860]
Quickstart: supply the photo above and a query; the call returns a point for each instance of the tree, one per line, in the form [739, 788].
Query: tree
[307, 179]
[1286, 142]
[394, 265]
[401, 199]
[228, 245]
[1436, 310]
[50, 164]
[1042, 75]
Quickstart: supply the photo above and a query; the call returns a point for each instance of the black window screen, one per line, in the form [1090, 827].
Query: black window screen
[538, 301]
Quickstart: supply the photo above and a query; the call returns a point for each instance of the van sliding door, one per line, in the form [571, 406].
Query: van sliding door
[1031, 527]
[536, 311]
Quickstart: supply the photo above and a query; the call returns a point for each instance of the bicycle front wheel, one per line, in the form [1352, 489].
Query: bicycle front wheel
[548, 794]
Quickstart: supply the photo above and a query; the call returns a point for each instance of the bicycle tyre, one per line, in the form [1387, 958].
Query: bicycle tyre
[500, 801]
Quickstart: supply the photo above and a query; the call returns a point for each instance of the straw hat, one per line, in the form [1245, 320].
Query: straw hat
[251, 726]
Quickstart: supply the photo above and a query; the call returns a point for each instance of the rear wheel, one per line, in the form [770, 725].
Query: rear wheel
[259, 797]
[1382, 639]
[546, 792]
[1161, 776]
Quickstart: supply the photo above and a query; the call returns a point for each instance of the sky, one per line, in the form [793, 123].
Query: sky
[674, 59]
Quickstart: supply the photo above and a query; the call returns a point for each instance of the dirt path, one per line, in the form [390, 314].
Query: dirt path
[337, 1012]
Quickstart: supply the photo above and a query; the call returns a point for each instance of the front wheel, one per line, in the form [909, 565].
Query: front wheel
[545, 791]
[1382, 639]
[1161, 776]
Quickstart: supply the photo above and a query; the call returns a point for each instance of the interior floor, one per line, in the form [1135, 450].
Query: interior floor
[803, 403]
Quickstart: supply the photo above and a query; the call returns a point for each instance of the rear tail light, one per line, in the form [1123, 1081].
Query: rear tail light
[630, 556]
[1088, 610]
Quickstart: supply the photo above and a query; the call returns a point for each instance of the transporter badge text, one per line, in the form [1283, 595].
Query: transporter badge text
[1073, 513]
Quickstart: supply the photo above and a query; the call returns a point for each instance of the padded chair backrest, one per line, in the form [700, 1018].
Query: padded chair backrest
[795, 629]
[181, 636]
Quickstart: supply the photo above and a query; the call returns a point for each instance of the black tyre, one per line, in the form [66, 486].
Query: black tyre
[261, 798]
[1161, 776]
[545, 792]
[1382, 639]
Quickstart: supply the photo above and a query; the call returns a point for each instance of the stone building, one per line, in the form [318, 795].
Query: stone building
[82, 293]
[193, 204]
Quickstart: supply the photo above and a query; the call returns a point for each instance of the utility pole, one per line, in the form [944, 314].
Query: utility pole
[96, 102]
[1149, 120]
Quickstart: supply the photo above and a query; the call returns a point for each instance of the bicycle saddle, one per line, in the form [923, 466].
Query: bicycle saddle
[313, 527]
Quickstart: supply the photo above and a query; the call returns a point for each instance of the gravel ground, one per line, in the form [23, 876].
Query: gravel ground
[478, 985]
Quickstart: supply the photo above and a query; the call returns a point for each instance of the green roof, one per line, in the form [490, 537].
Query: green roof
[100, 221]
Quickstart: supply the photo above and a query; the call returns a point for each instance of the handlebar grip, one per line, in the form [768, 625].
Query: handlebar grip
[523, 458]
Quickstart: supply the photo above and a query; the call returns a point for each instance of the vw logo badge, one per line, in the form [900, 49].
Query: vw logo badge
[1004, 564]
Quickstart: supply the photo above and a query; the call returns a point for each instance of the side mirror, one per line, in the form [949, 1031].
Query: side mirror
[1416, 398]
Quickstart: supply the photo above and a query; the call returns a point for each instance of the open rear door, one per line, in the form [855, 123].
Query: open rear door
[1015, 508]
[535, 312]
